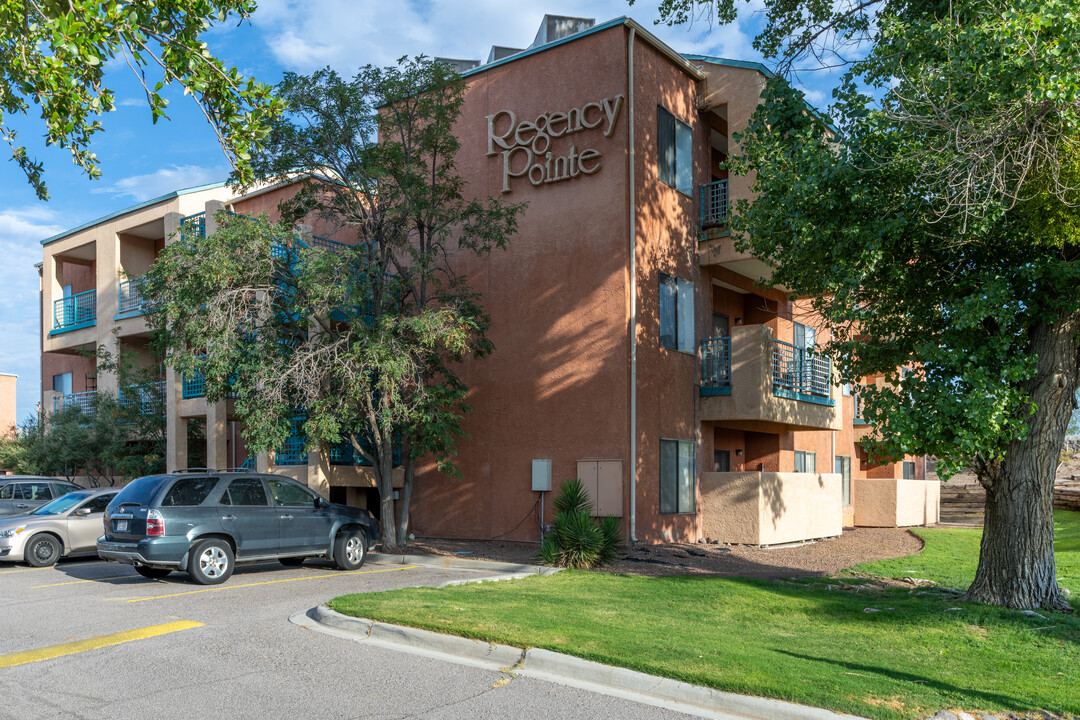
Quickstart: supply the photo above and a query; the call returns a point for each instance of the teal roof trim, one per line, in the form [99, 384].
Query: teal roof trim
[133, 208]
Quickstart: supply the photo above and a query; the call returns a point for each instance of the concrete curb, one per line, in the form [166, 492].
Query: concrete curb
[567, 670]
[450, 562]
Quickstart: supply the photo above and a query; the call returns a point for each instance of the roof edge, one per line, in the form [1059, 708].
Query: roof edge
[139, 206]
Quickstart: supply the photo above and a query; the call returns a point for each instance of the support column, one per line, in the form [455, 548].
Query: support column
[262, 462]
[213, 207]
[176, 430]
[217, 439]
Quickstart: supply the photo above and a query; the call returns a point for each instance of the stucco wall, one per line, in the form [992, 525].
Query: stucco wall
[770, 508]
[891, 502]
[8, 421]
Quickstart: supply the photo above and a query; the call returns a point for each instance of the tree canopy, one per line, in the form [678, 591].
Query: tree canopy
[54, 55]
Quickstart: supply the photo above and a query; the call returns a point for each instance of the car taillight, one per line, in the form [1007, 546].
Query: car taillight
[155, 524]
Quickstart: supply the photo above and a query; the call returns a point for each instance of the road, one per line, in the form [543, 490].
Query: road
[174, 649]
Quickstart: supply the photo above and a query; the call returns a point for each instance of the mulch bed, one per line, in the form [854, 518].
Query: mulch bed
[817, 559]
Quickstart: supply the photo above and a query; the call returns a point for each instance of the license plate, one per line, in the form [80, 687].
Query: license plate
[121, 525]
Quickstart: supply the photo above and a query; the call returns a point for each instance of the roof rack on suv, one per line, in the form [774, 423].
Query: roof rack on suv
[235, 470]
[193, 470]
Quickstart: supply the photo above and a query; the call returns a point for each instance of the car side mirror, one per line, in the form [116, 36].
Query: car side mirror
[319, 502]
[82, 512]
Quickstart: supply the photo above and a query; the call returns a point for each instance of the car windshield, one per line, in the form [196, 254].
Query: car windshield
[61, 504]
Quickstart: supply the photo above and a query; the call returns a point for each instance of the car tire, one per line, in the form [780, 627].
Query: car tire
[42, 550]
[350, 549]
[152, 573]
[292, 561]
[210, 561]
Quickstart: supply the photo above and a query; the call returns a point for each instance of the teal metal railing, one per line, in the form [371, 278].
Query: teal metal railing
[147, 397]
[131, 296]
[82, 400]
[859, 418]
[716, 366]
[327, 244]
[193, 386]
[291, 451]
[801, 374]
[75, 311]
[714, 203]
[193, 226]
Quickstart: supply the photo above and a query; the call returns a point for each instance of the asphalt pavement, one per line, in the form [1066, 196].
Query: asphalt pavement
[94, 640]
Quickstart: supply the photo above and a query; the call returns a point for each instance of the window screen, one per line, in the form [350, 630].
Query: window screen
[909, 470]
[805, 461]
[675, 151]
[842, 465]
[676, 313]
[189, 491]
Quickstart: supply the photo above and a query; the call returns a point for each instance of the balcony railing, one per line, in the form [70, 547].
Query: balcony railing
[859, 418]
[131, 296]
[714, 203]
[716, 366]
[193, 226]
[327, 244]
[148, 397]
[292, 450]
[83, 400]
[194, 385]
[75, 311]
[801, 374]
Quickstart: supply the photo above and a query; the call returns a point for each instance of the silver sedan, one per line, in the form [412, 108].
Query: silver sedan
[69, 525]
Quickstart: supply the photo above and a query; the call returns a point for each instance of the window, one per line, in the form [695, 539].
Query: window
[291, 495]
[804, 336]
[62, 383]
[7, 491]
[676, 313]
[98, 504]
[675, 146]
[245, 491]
[909, 470]
[805, 462]
[721, 461]
[842, 466]
[33, 491]
[189, 491]
[677, 473]
[846, 389]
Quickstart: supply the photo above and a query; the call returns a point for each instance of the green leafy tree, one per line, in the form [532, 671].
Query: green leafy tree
[356, 343]
[938, 230]
[53, 55]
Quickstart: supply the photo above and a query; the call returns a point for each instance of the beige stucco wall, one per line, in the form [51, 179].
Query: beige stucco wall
[892, 502]
[7, 404]
[752, 404]
[770, 508]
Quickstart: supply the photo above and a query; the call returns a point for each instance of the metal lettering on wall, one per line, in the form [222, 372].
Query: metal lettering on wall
[526, 146]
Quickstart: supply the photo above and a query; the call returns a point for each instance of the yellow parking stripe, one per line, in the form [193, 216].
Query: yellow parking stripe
[76, 582]
[271, 582]
[51, 567]
[47, 653]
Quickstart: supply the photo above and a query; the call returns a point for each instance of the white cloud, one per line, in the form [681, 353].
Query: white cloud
[165, 180]
[21, 232]
[346, 34]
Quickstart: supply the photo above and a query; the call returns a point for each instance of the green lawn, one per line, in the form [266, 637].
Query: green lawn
[951, 555]
[795, 640]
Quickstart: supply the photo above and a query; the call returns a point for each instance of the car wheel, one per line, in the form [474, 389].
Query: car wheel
[292, 562]
[350, 549]
[210, 561]
[42, 550]
[152, 572]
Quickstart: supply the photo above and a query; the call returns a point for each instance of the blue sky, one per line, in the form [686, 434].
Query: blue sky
[140, 160]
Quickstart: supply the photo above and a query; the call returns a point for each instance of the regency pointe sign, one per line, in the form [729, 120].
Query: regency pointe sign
[526, 146]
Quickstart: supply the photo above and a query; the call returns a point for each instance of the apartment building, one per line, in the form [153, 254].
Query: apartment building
[634, 346]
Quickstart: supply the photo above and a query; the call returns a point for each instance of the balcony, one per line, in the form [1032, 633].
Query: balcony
[74, 312]
[752, 382]
[765, 508]
[147, 398]
[714, 204]
[194, 386]
[131, 302]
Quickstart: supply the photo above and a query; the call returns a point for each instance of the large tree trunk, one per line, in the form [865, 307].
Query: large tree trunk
[1016, 559]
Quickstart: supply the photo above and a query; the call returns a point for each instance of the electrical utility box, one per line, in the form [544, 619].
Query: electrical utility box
[541, 475]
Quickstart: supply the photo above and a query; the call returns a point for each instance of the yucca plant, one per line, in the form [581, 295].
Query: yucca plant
[576, 540]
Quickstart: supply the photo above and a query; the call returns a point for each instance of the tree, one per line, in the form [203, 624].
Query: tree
[53, 54]
[109, 439]
[357, 343]
[937, 230]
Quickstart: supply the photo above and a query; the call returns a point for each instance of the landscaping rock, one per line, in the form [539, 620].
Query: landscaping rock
[1032, 613]
[680, 553]
[945, 715]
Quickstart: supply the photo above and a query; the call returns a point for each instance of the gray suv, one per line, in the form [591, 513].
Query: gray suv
[204, 522]
[22, 494]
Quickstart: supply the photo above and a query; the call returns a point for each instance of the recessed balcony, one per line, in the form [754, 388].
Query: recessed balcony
[752, 382]
[74, 312]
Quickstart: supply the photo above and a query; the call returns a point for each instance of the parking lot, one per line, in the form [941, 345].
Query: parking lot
[90, 639]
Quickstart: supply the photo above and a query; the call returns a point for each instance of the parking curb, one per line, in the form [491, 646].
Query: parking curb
[450, 562]
[575, 672]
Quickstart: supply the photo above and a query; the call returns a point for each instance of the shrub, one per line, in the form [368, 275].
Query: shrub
[576, 540]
